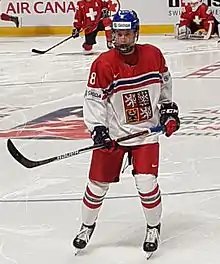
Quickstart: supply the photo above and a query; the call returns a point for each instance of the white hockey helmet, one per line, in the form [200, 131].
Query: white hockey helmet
[194, 1]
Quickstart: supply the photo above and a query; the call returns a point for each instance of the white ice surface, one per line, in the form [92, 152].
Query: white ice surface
[38, 222]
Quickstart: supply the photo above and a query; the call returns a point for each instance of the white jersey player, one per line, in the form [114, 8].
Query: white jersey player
[129, 90]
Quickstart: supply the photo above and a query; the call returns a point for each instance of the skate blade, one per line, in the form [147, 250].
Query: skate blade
[88, 52]
[149, 255]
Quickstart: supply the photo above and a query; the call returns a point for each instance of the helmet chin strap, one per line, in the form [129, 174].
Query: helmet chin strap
[126, 48]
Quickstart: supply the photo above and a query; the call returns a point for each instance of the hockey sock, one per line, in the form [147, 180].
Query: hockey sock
[149, 194]
[92, 201]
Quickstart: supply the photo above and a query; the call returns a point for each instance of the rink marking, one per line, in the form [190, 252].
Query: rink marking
[40, 82]
[204, 71]
[81, 80]
[192, 78]
[109, 197]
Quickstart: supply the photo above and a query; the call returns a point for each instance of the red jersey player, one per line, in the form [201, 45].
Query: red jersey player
[129, 89]
[6, 17]
[196, 20]
[92, 16]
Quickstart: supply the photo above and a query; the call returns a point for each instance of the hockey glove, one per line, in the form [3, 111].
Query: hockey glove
[169, 118]
[75, 33]
[100, 135]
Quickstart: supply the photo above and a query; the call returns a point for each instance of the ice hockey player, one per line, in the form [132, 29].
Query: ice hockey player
[6, 17]
[129, 89]
[92, 16]
[196, 21]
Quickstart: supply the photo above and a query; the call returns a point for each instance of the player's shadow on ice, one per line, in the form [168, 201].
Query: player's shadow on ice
[175, 230]
[127, 237]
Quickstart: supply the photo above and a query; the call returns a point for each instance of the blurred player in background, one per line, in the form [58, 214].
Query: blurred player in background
[6, 17]
[93, 16]
[129, 90]
[196, 21]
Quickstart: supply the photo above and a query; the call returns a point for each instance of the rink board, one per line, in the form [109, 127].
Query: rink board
[66, 30]
[55, 17]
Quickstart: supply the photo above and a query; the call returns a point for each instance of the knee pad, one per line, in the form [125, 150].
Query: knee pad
[87, 47]
[146, 183]
[97, 188]
[149, 193]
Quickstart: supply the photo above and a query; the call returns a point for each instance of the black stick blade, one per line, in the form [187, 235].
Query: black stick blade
[38, 51]
[24, 161]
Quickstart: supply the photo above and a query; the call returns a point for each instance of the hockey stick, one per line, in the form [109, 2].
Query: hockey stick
[31, 163]
[58, 44]
[54, 46]
[209, 33]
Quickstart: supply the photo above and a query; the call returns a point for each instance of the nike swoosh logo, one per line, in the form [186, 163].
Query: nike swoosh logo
[116, 75]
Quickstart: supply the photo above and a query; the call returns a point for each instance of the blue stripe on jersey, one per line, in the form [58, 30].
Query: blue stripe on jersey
[128, 81]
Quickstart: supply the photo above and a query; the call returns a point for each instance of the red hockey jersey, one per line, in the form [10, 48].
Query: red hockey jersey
[88, 14]
[125, 98]
[201, 16]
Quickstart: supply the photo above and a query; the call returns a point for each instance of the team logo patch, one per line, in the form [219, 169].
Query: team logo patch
[93, 94]
[121, 25]
[137, 106]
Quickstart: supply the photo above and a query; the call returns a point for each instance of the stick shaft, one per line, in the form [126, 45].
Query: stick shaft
[32, 163]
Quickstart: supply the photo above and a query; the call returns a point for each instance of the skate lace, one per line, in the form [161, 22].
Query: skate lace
[152, 235]
[84, 234]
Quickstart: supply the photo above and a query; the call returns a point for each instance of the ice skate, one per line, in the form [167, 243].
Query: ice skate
[152, 240]
[82, 238]
[87, 49]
